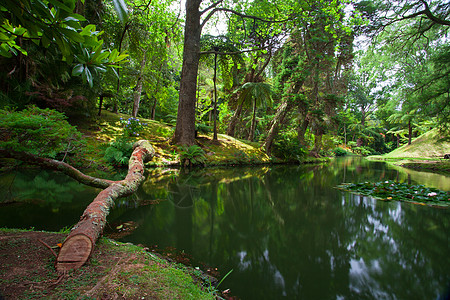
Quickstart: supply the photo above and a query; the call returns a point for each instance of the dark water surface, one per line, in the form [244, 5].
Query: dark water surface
[285, 231]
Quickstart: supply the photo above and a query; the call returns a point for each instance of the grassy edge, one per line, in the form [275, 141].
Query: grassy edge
[136, 273]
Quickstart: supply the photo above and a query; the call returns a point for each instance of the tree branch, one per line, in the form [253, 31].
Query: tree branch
[432, 17]
[211, 7]
[58, 166]
[240, 15]
[232, 53]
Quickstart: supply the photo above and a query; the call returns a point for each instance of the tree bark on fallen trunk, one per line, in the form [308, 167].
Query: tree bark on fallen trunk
[78, 246]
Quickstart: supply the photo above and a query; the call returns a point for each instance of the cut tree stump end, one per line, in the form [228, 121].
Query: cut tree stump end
[74, 253]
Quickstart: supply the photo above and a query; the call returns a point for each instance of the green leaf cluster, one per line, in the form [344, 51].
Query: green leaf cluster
[44, 132]
[50, 23]
[132, 126]
[192, 155]
[118, 153]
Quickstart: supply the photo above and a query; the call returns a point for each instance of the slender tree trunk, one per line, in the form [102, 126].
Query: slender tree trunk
[138, 91]
[409, 132]
[234, 120]
[282, 110]
[79, 245]
[345, 136]
[251, 135]
[153, 109]
[301, 131]
[317, 142]
[100, 105]
[115, 105]
[398, 140]
[215, 98]
[185, 128]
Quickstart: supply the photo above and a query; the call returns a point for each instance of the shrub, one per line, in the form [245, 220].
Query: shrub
[118, 153]
[191, 156]
[202, 128]
[339, 152]
[288, 148]
[132, 126]
[44, 132]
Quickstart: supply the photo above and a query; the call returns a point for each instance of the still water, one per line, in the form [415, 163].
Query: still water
[285, 231]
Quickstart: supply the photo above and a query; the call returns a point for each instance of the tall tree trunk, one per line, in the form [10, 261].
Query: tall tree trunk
[115, 105]
[100, 105]
[153, 113]
[234, 120]
[138, 90]
[409, 132]
[79, 245]
[301, 131]
[215, 98]
[185, 128]
[282, 110]
[251, 135]
[317, 142]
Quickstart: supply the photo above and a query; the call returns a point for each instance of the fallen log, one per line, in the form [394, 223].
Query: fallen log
[79, 244]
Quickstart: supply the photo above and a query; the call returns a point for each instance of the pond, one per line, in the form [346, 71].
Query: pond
[284, 231]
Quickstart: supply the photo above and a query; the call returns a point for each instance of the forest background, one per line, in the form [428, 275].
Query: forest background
[296, 77]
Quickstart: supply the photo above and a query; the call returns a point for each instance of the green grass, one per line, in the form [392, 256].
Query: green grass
[430, 145]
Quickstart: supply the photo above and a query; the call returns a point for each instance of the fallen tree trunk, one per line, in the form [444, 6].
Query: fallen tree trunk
[78, 246]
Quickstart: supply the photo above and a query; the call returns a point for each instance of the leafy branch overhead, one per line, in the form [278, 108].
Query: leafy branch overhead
[48, 23]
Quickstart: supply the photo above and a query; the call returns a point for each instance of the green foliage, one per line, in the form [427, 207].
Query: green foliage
[53, 25]
[132, 126]
[287, 147]
[192, 155]
[389, 190]
[339, 152]
[364, 150]
[241, 157]
[118, 153]
[202, 128]
[43, 132]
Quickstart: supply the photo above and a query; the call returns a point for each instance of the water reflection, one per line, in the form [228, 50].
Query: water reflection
[287, 233]
[285, 230]
[43, 200]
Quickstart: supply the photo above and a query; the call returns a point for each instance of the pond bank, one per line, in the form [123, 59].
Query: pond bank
[115, 271]
[440, 166]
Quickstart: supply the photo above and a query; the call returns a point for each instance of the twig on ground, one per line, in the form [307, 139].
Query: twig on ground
[46, 245]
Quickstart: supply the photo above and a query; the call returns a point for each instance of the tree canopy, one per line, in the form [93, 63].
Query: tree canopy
[368, 75]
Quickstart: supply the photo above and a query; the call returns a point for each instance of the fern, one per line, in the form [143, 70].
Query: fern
[118, 153]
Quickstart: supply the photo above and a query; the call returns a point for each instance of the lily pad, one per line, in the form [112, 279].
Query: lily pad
[390, 190]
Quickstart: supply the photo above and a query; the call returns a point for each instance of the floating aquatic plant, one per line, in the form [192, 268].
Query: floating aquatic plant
[390, 190]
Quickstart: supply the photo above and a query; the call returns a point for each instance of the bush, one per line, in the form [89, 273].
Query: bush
[288, 148]
[339, 152]
[202, 128]
[191, 156]
[44, 132]
[132, 126]
[363, 150]
[118, 153]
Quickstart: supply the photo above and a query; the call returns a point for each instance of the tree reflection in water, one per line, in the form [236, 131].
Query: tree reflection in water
[286, 232]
